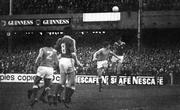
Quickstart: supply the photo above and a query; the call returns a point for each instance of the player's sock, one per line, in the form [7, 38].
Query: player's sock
[117, 82]
[49, 95]
[43, 93]
[59, 90]
[35, 91]
[54, 100]
[29, 93]
[71, 92]
[59, 98]
[68, 94]
[35, 86]
[35, 100]
[42, 97]
[100, 84]
[50, 99]
[109, 79]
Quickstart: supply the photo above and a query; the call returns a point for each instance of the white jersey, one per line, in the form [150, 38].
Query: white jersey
[102, 54]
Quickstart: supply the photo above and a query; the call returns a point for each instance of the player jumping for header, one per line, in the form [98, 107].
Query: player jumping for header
[119, 48]
[102, 56]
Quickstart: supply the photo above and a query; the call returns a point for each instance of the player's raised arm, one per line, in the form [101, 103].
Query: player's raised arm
[39, 57]
[112, 53]
[56, 58]
[96, 53]
[56, 62]
[57, 46]
[59, 56]
[76, 59]
[73, 52]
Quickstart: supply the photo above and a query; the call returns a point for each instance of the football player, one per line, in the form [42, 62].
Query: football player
[102, 56]
[119, 49]
[46, 61]
[66, 46]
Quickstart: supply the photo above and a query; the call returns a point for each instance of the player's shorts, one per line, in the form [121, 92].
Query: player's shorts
[66, 65]
[101, 64]
[67, 71]
[114, 59]
[45, 72]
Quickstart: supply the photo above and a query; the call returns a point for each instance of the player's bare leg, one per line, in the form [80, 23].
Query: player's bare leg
[109, 77]
[100, 78]
[108, 73]
[118, 74]
[119, 68]
[58, 92]
[114, 70]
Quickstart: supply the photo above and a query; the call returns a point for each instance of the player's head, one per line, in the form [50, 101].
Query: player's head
[106, 44]
[48, 42]
[117, 32]
[67, 30]
[115, 44]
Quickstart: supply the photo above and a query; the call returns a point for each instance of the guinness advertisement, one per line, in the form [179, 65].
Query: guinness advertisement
[35, 22]
[52, 22]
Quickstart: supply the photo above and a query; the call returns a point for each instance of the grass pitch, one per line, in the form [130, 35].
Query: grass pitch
[13, 96]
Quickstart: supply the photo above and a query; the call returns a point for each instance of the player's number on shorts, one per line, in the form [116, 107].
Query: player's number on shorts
[50, 53]
[63, 48]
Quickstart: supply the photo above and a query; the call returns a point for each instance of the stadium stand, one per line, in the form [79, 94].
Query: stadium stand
[159, 58]
[82, 6]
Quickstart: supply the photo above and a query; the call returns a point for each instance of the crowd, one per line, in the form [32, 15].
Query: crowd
[150, 61]
[82, 6]
[161, 5]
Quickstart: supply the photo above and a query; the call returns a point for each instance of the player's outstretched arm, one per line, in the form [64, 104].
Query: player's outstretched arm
[56, 62]
[95, 54]
[57, 46]
[114, 55]
[39, 57]
[59, 56]
[76, 60]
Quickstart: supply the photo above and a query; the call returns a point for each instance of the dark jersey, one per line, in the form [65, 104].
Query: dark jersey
[49, 57]
[119, 48]
[66, 46]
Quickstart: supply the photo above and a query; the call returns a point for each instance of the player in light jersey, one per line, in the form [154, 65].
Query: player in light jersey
[119, 49]
[66, 46]
[102, 56]
[46, 61]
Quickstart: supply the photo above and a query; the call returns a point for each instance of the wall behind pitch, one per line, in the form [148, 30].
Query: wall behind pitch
[150, 19]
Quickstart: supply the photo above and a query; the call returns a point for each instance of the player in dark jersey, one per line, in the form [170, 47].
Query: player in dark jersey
[66, 46]
[119, 49]
[46, 61]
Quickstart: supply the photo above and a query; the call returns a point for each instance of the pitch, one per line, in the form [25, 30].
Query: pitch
[13, 96]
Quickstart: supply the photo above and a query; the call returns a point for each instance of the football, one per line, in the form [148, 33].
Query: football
[115, 8]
